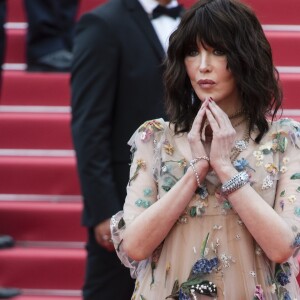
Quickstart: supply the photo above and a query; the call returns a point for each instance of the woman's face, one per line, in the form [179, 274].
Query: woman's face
[210, 77]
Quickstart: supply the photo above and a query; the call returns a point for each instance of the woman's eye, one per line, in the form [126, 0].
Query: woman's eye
[218, 52]
[193, 52]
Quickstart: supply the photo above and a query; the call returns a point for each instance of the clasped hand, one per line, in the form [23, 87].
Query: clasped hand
[223, 135]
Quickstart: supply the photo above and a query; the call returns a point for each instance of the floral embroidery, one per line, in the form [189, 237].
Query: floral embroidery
[148, 128]
[285, 160]
[140, 164]
[297, 211]
[136, 287]
[271, 169]
[258, 250]
[196, 282]
[283, 169]
[242, 164]
[282, 274]
[169, 182]
[148, 192]
[169, 149]
[281, 203]
[259, 293]
[280, 141]
[154, 260]
[267, 183]
[259, 157]
[252, 273]
[296, 243]
[168, 268]
[295, 176]
[226, 260]
[202, 191]
[197, 211]
[143, 203]
[292, 198]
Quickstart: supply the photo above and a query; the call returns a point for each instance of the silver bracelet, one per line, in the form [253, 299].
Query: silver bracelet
[192, 164]
[235, 183]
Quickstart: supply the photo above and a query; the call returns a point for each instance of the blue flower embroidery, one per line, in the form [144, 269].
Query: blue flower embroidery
[204, 266]
[240, 164]
[297, 211]
[297, 241]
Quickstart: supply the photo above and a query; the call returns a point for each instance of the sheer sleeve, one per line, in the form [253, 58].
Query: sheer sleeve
[141, 188]
[287, 203]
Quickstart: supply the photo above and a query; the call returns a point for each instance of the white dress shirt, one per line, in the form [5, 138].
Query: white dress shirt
[163, 25]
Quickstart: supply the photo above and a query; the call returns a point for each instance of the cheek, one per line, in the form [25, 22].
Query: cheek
[190, 68]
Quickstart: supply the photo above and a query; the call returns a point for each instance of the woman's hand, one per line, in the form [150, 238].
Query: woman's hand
[223, 138]
[194, 137]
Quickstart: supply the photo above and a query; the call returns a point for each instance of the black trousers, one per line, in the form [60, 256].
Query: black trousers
[105, 277]
[50, 26]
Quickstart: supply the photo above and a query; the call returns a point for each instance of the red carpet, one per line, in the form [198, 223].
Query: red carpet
[40, 202]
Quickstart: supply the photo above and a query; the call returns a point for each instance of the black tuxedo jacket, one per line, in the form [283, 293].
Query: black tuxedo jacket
[116, 85]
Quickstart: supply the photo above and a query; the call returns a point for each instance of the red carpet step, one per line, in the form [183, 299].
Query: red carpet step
[39, 131]
[285, 45]
[290, 84]
[38, 175]
[42, 221]
[38, 268]
[275, 12]
[25, 88]
[35, 131]
[54, 89]
[15, 46]
[16, 13]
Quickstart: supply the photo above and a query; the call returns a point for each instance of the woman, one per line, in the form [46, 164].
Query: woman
[213, 205]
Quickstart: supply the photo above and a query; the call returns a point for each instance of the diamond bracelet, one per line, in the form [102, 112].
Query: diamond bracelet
[192, 164]
[235, 183]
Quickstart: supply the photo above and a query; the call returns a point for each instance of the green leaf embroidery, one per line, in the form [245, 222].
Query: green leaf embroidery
[204, 243]
[282, 194]
[295, 176]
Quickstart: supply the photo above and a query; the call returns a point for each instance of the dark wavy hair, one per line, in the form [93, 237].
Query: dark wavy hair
[233, 28]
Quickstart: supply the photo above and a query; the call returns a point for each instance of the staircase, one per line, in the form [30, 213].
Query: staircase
[40, 202]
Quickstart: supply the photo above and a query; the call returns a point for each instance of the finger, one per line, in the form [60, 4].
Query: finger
[212, 120]
[199, 118]
[219, 115]
[105, 241]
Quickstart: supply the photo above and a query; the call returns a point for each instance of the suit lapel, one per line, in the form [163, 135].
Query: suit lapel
[144, 23]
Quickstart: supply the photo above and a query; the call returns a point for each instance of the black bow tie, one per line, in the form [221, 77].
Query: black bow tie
[173, 12]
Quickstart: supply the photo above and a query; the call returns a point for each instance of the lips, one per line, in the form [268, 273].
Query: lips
[205, 81]
[206, 84]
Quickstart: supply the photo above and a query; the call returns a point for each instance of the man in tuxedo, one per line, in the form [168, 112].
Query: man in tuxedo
[116, 85]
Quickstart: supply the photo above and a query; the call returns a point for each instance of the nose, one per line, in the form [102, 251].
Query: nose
[204, 65]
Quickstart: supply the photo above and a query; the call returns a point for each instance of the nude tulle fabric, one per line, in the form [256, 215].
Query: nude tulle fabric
[242, 263]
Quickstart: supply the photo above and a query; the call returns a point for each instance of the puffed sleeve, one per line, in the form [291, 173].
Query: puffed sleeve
[287, 204]
[141, 188]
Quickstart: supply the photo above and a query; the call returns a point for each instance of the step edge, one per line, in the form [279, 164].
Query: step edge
[51, 244]
[35, 109]
[40, 198]
[50, 292]
[38, 152]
